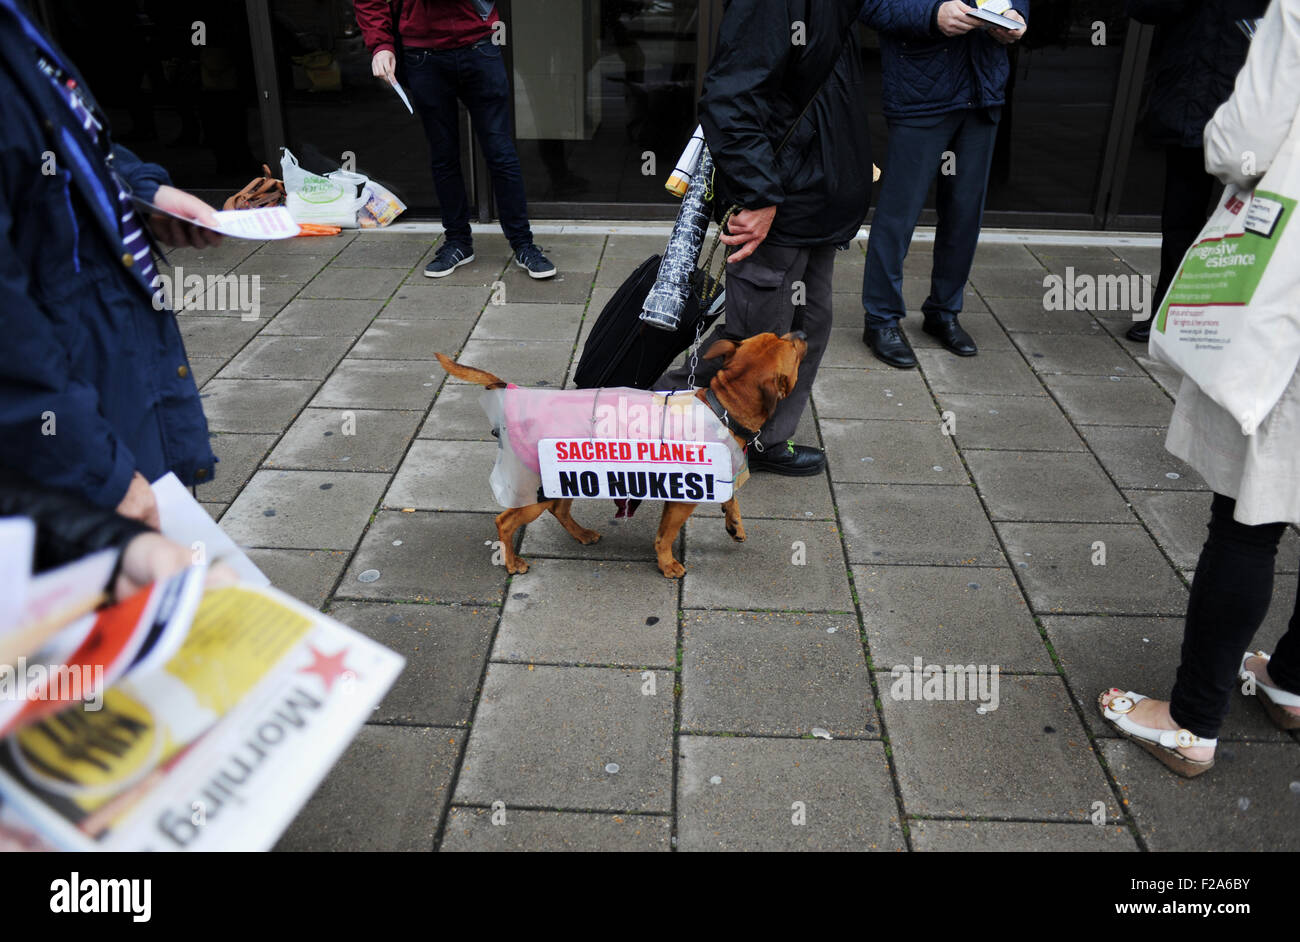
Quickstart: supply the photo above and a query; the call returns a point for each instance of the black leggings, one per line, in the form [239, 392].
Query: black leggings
[1229, 599]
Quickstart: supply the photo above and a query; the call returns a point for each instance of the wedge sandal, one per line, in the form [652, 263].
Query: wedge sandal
[1274, 699]
[1116, 704]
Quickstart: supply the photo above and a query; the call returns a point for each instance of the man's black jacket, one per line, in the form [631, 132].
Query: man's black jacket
[772, 56]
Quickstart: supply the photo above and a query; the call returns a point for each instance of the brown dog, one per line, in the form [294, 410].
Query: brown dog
[756, 374]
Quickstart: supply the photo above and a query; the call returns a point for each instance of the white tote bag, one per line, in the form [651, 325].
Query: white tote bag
[1230, 321]
[331, 200]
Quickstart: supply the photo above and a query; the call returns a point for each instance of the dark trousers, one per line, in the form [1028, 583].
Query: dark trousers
[761, 294]
[915, 156]
[436, 79]
[1183, 212]
[1230, 597]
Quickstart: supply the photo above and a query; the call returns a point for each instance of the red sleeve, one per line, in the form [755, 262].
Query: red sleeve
[375, 18]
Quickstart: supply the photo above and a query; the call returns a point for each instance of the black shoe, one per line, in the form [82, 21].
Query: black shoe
[1140, 332]
[792, 460]
[890, 345]
[447, 259]
[953, 337]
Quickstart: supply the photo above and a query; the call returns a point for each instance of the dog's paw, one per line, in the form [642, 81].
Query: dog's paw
[517, 566]
[737, 533]
[673, 570]
[588, 537]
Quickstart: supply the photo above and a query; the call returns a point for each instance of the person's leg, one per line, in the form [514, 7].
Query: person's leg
[959, 201]
[486, 92]
[1229, 599]
[1182, 216]
[431, 85]
[911, 161]
[814, 319]
[1284, 666]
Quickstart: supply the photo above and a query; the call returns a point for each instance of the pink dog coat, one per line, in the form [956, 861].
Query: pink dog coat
[523, 417]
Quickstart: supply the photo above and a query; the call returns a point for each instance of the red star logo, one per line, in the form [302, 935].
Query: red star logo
[328, 667]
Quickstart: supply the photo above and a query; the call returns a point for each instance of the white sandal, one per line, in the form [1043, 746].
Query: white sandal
[1273, 698]
[1116, 704]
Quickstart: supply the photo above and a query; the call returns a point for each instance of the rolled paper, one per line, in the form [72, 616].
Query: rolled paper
[667, 299]
[680, 179]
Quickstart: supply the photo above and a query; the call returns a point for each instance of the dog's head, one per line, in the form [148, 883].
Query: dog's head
[757, 373]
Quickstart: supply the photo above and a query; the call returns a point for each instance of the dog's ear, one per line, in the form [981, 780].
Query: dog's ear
[774, 390]
[720, 348]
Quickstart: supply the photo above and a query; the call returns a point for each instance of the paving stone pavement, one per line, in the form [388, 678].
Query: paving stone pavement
[1014, 512]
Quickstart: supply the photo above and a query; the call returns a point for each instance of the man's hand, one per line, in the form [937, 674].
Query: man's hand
[747, 229]
[151, 557]
[174, 231]
[140, 503]
[384, 65]
[1008, 36]
[953, 20]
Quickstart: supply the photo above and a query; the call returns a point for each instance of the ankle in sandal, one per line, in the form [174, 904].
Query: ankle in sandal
[1274, 699]
[1116, 704]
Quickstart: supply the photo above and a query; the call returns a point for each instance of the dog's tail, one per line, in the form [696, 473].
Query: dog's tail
[469, 374]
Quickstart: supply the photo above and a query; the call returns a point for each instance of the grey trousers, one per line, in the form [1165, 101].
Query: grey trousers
[764, 293]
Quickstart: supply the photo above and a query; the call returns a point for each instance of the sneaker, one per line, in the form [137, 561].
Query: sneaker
[531, 260]
[447, 259]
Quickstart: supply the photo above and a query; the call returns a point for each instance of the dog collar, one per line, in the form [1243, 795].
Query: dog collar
[749, 435]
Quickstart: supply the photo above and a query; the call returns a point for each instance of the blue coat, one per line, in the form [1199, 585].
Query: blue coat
[94, 381]
[937, 74]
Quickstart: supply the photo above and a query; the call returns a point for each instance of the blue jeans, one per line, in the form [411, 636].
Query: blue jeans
[915, 155]
[436, 79]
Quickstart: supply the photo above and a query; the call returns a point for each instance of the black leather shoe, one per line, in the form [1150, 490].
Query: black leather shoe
[1140, 332]
[890, 345]
[953, 337]
[789, 459]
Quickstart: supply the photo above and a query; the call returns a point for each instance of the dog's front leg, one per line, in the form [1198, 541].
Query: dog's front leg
[735, 526]
[670, 524]
[509, 521]
[563, 512]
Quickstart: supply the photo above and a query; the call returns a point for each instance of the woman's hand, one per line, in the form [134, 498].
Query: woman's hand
[151, 557]
[177, 232]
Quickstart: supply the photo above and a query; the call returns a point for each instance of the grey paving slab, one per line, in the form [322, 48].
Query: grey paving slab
[307, 575]
[215, 336]
[1141, 654]
[1057, 255]
[298, 269]
[573, 738]
[480, 273]
[775, 495]
[1055, 563]
[1032, 315]
[381, 384]
[996, 372]
[1165, 376]
[522, 362]
[1003, 255]
[635, 247]
[875, 393]
[426, 299]
[356, 283]
[947, 615]
[1062, 353]
[254, 405]
[1111, 400]
[880, 452]
[215, 510]
[426, 557]
[237, 458]
[580, 611]
[445, 649]
[472, 829]
[345, 440]
[381, 251]
[1013, 423]
[457, 415]
[846, 349]
[1008, 283]
[1143, 258]
[1136, 458]
[521, 321]
[323, 318]
[741, 794]
[204, 368]
[1028, 759]
[893, 524]
[270, 299]
[1178, 520]
[1046, 485]
[1245, 803]
[1021, 837]
[216, 258]
[404, 770]
[916, 289]
[393, 339]
[287, 358]
[567, 287]
[314, 245]
[304, 509]
[619, 539]
[445, 476]
[983, 329]
[801, 560]
[770, 674]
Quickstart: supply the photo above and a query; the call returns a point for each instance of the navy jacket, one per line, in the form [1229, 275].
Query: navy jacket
[94, 381]
[935, 74]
